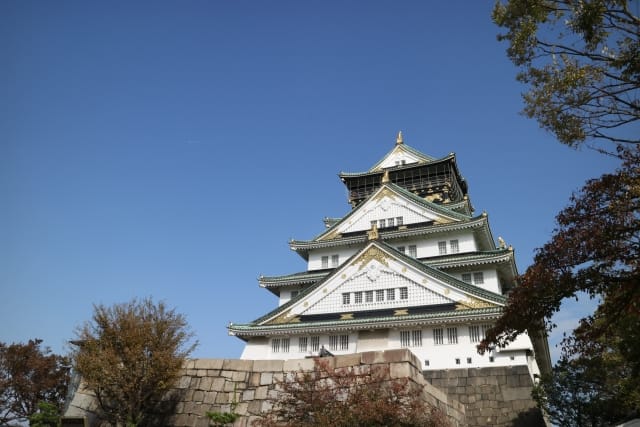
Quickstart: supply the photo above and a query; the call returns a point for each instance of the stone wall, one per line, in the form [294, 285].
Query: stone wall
[213, 384]
[499, 396]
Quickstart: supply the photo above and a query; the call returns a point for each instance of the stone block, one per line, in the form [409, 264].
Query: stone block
[266, 378]
[218, 384]
[254, 379]
[195, 381]
[524, 380]
[222, 398]
[205, 383]
[241, 408]
[208, 364]
[239, 376]
[254, 407]
[248, 395]
[347, 360]
[261, 392]
[209, 397]
[267, 365]
[237, 365]
[184, 382]
[400, 370]
[512, 394]
[198, 396]
[202, 422]
[191, 372]
[298, 365]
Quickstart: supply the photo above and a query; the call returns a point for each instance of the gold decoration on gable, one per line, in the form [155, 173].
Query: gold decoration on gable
[471, 303]
[285, 317]
[402, 312]
[372, 254]
[385, 192]
[346, 316]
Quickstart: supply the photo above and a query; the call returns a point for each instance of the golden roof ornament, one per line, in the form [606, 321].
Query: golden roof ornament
[399, 139]
[373, 233]
[385, 177]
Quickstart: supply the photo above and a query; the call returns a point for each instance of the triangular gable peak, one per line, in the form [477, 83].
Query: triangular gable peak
[391, 202]
[380, 268]
[401, 154]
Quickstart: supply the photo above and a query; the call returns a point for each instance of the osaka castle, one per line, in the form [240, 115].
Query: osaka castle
[410, 265]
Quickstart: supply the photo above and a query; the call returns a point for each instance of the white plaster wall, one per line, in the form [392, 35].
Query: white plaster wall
[315, 257]
[285, 294]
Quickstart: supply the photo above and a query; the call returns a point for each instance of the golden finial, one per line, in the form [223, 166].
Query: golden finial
[399, 139]
[385, 177]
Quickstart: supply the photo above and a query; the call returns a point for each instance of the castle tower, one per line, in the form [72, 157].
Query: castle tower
[408, 266]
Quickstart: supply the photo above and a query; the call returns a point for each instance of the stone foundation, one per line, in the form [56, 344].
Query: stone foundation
[499, 396]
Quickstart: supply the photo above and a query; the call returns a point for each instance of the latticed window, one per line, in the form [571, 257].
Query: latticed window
[302, 344]
[452, 335]
[315, 343]
[453, 245]
[333, 342]
[380, 295]
[466, 277]
[478, 278]
[335, 260]
[368, 296]
[474, 333]
[275, 345]
[390, 222]
[438, 336]
[344, 342]
[485, 328]
[405, 338]
[400, 248]
[391, 294]
[399, 220]
[325, 262]
[382, 223]
[357, 297]
[346, 298]
[413, 252]
[442, 248]
[404, 293]
[416, 338]
[285, 345]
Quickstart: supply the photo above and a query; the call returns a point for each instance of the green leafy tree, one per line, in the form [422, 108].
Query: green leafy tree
[48, 415]
[594, 251]
[130, 356]
[29, 375]
[581, 61]
[349, 397]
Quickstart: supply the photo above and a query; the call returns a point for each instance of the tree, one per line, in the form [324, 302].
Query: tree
[29, 375]
[129, 356]
[581, 60]
[349, 397]
[594, 251]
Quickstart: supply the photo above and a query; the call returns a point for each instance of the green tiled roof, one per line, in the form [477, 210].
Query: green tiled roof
[387, 321]
[463, 286]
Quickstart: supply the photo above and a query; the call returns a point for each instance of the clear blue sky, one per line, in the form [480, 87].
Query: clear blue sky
[172, 149]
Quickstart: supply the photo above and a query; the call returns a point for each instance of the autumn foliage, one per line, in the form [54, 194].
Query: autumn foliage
[130, 356]
[349, 397]
[594, 252]
[30, 375]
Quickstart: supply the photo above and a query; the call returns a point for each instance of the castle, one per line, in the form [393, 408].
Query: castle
[409, 266]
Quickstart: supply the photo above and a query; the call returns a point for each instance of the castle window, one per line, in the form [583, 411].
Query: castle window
[357, 297]
[368, 296]
[315, 344]
[413, 252]
[466, 277]
[491, 359]
[416, 338]
[391, 294]
[426, 362]
[280, 345]
[468, 360]
[390, 222]
[404, 293]
[442, 248]
[438, 336]
[302, 344]
[382, 223]
[380, 295]
[453, 245]
[374, 223]
[405, 338]
[399, 220]
[474, 333]
[325, 262]
[294, 294]
[452, 335]
[346, 298]
[339, 342]
[457, 361]
[400, 249]
[478, 278]
[344, 342]
[335, 260]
